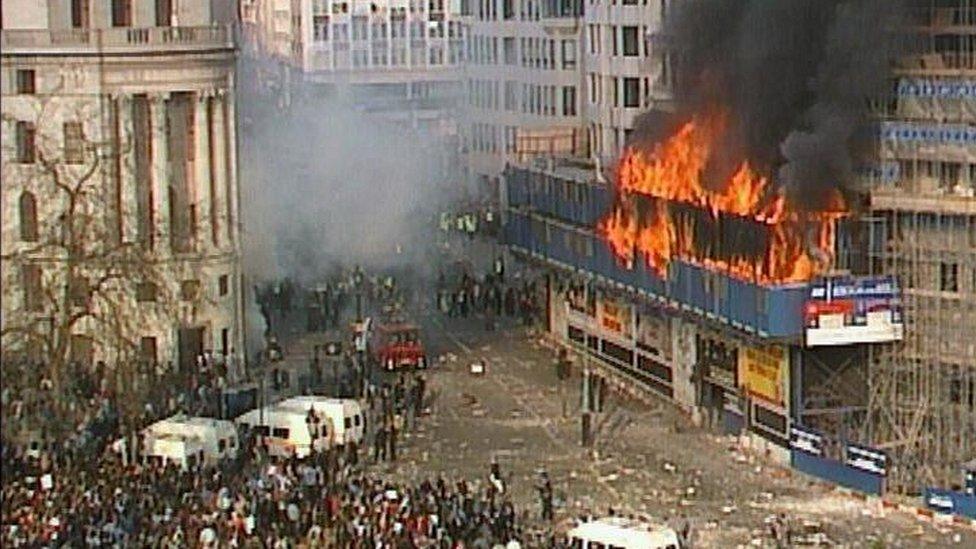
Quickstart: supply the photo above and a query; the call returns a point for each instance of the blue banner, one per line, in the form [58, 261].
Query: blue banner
[950, 502]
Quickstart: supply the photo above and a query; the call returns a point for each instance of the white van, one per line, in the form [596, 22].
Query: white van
[286, 430]
[219, 437]
[346, 414]
[621, 533]
[183, 450]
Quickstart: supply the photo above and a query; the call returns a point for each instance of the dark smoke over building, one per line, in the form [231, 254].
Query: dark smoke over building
[795, 77]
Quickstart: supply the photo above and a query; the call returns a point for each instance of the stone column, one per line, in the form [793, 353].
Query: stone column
[218, 146]
[232, 189]
[201, 184]
[126, 159]
[160, 170]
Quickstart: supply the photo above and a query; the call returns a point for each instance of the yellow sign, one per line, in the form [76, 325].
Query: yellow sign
[764, 373]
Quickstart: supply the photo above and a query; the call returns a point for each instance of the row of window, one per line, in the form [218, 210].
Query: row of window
[397, 57]
[624, 40]
[628, 92]
[532, 52]
[361, 29]
[542, 100]
[120, 12]
[73, 139]
[80, 289]
[528, 10]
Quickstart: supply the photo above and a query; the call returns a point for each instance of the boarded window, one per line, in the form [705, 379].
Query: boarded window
[74, 143]
[33, 299]
[189, 290]
[146, 292]
[28, 217]
[25, 81]
[25, 142]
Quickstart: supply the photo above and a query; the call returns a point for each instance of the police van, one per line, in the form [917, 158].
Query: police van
[346, 415]
[185, 451]
[621, 533]
[217, 437]
[287, 431]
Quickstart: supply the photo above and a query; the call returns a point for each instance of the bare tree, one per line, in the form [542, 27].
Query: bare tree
[89, 272]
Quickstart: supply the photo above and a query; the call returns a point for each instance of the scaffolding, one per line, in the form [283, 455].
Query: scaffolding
[922, 390]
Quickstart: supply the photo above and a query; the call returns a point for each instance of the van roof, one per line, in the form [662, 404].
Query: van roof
[316, 399]
[625, 532]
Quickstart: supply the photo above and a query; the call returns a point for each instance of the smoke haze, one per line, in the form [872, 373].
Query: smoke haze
[795, 77]
[326, 185]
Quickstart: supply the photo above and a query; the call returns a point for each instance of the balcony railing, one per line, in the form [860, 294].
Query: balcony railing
[122, 39]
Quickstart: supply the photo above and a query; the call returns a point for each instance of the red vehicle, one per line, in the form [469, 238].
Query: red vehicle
[397, 345]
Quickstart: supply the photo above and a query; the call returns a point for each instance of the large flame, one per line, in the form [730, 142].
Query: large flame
[758, 235]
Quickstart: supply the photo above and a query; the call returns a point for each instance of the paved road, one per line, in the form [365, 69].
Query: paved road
[519, 413]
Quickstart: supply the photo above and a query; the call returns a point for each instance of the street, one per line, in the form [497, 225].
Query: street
[515, 412]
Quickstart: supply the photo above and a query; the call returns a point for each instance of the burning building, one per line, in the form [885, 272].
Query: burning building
[665, 208]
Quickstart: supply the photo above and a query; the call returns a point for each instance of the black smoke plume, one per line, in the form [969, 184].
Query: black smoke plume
[795, 76]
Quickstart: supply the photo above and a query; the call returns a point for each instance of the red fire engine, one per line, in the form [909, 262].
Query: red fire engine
[396, 345]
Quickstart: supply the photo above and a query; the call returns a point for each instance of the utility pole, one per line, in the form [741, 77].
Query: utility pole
[587, 406]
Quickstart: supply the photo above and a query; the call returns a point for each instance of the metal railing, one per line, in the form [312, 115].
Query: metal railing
[149, 38]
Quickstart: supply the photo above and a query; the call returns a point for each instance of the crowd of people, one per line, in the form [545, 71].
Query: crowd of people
[491, 295]
[255, 501]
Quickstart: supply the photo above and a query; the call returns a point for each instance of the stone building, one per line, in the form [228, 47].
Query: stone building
[120, 194]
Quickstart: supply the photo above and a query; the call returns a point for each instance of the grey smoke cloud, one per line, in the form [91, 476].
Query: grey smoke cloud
[325, 184]
[795, 75]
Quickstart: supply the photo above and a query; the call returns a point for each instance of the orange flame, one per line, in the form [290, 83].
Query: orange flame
[799, 245]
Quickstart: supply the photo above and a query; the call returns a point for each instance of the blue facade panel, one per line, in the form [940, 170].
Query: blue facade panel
[769, 311]
[837, 472]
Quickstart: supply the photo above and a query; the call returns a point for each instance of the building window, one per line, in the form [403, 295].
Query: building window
[189, 290]
[631, 92]
[79, 291]
[121, 13]
[613, 37]
[569, 54]
[164, 13]
[25, 142]
[33, 290]
[222, 285]
[79, 14]
[569, 100]
[74, 143]
[28, 217]
[949, 277]
[147, 349]
[631, 43]
[25, 81]
[146, 292]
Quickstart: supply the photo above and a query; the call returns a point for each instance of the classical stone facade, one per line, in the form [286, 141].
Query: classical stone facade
[120, 197]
